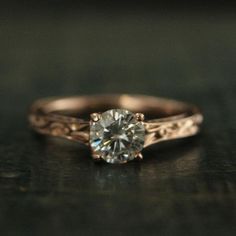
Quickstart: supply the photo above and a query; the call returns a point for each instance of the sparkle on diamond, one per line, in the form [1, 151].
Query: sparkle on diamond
[117, 137]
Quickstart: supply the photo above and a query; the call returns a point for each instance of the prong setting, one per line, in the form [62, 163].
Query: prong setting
[117, 135]
[140, 116]
[139, 156]
[96, 157]
[95, 117]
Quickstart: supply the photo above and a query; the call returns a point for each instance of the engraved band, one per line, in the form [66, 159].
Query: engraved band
[62, 117]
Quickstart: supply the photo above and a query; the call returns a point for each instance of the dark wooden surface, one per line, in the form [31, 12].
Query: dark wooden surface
[52, 187]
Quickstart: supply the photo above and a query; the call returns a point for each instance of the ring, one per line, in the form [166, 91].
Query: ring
[119, 127]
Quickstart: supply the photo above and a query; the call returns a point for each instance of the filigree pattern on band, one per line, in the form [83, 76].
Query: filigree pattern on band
[182, 120]
[66, 127]
[158, 131]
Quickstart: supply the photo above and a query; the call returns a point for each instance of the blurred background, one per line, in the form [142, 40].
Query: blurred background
[179, 49]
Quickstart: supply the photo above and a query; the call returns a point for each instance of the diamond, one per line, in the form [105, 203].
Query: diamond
[118, 136]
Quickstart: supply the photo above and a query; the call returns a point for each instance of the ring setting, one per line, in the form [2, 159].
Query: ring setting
[119, 133]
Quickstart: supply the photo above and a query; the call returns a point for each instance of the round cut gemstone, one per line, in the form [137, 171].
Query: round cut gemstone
[117, 137]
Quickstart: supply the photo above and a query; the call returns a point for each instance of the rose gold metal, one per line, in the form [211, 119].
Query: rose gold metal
[140, 116]
[96, 157]
[95, 117]
[139, 156]
[60, 116]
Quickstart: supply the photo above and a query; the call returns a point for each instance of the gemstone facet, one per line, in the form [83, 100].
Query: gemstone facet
[118, 136]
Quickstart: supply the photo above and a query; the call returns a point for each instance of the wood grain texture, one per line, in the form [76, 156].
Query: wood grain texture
[52, 187]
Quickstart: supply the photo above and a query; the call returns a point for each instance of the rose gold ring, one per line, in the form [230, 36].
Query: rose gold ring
[120, 126]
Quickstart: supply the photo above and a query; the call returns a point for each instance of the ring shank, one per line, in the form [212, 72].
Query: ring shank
[168, 119]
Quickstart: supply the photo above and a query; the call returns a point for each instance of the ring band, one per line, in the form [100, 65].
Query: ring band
[121, 131]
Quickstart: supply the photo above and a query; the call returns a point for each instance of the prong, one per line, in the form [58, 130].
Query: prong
[140, 116]
[95, 117]
[96, 157]
[139, 156]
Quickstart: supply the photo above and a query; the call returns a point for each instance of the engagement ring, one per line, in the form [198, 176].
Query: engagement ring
[119, 127]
